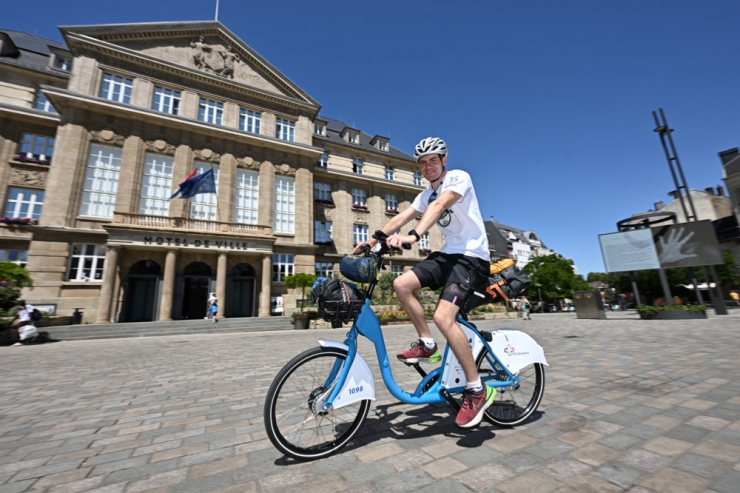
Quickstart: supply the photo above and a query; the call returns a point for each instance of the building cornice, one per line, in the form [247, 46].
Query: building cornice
[36, 116]
[62, 97]
[80, 40]
[366, 178]
[357, 149]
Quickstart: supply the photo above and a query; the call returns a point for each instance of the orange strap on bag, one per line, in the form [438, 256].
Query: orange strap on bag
[495, 290]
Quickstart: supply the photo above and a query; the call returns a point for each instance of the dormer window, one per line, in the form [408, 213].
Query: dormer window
[62, 63]
[380, 143]
[319, 130]
[351, 135]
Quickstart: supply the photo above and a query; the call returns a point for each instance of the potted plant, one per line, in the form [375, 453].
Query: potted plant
[300, 281]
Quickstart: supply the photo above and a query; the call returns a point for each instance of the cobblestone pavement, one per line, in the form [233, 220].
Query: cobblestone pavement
[630, 405]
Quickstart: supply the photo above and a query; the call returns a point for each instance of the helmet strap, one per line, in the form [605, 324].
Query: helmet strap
[444, 169]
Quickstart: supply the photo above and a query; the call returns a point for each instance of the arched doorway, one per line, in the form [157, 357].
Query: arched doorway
[196, 283]
[143, 291]
[241, 282]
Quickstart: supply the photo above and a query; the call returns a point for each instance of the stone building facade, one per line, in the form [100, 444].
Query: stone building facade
[97, 133]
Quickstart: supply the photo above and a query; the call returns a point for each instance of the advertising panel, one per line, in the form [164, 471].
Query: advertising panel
[687, 245]
[629, 251]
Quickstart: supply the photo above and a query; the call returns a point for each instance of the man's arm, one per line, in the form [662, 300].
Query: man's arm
[431, 215]
[396, 223]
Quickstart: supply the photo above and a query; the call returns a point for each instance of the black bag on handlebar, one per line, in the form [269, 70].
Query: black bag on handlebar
[505, 285]
[338, 301]
[358, 268]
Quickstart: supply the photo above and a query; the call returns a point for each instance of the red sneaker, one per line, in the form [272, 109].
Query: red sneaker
[419, 352]
[473, 406]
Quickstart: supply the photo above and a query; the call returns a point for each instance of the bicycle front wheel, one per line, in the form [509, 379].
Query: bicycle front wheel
[513, 405]
[294, 420]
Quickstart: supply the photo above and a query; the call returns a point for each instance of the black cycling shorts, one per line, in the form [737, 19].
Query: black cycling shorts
[458, 274]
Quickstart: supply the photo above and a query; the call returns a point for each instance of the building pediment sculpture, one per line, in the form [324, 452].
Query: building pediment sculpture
[28, 178]
[207, 155]
[160, 146]
[220, 61]
[107, 136]
[248, 163]
[284, 169]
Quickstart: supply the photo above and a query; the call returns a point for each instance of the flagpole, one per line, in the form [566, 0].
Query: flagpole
[216, 10]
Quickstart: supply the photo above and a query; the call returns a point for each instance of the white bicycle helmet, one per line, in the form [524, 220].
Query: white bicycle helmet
[430, 145]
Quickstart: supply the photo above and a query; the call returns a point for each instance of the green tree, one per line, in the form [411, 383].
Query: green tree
[300, 281]
[556, 277]
[385, 285]
[598, 277]
[13, 277]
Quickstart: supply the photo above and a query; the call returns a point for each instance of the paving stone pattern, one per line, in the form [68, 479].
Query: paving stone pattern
[630, 406]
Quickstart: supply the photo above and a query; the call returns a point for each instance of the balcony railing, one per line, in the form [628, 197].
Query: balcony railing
[186, 224]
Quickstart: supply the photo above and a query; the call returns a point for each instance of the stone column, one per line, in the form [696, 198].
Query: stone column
[109, 281]
[221, 283]
[266, 284]
[168, 288]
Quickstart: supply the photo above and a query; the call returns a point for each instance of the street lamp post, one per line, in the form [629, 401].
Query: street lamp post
[539, 294]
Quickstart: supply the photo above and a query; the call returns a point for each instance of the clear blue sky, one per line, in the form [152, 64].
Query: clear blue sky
[546, 104]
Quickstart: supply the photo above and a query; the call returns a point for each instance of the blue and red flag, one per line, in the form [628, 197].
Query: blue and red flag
[195, 184]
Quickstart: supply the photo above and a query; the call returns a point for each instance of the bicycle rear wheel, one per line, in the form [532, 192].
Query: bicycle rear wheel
[513, 406]
[294, 420]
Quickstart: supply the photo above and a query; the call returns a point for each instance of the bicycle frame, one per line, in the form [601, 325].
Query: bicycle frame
[367, 324]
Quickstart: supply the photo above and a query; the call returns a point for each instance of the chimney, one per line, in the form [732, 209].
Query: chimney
[709, 190]
[674, 194]
[659, 205]
[720, 191]
[729, 155]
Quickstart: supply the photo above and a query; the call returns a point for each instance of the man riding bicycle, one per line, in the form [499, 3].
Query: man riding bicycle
[450, 201]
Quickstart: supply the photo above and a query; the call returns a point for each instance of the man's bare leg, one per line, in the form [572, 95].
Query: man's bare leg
[444, 319]
[405, 286]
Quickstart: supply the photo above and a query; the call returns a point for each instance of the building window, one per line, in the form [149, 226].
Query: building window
[24, 203]
[359, 198]
[42, 103]
[324, 269]
[101, 181]
[166, 101]
[116, 88]
[322, 233]
[18, 257]
[204, 205]
[417, 178]
[35, 148]
[354, 139]
[323, 160]
[284, 205]
[383, 146]
[250, 121]
[156, 186]
[285, 129]
[389, 172]
[396, 270]
[86, 263]
[359, 232]
[62, 63]
[319, 129]
[357, 166]
[391, 203]
[322, 193]
[210, 111]
[282, 265]
[246, 204]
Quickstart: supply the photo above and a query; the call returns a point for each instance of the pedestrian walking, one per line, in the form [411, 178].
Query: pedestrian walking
[209, 310]
[525, 309]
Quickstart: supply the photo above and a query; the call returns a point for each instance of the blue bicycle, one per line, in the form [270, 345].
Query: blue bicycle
[320, 399]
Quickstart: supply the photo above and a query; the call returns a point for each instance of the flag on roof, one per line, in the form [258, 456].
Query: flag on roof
[195, 184]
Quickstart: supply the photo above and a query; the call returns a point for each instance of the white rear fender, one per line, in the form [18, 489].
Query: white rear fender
[359, 385]
[515, 349]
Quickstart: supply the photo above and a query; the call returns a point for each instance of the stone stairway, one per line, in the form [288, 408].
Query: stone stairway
[173, 327]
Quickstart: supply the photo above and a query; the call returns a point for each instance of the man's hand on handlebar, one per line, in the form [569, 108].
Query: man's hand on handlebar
[401, 241]
[364, 244]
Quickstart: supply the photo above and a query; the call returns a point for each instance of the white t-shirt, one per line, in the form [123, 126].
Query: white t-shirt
[462, 225]
[24, 314]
